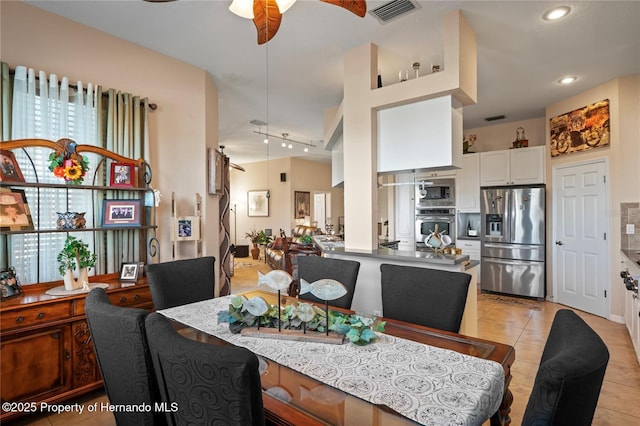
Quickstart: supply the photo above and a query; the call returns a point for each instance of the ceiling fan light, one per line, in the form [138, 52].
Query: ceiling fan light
[242, 8]
[284, 144]
[284, 5]
[266, 140]
[306, 149]
[290, 146]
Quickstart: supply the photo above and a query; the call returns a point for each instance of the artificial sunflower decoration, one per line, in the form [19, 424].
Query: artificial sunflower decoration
[72, 167]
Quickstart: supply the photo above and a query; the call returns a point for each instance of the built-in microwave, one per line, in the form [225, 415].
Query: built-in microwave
[435, 192]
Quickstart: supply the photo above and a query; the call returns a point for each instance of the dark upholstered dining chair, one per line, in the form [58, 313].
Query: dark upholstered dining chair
[570, 375]
[314, 268]
[120, 343]
[207, 383]
[181, 282]
[424, 296]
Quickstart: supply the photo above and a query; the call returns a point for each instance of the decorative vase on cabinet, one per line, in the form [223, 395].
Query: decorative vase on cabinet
[71, 283]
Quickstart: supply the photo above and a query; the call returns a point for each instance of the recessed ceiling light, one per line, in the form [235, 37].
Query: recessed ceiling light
[556, 13]
[567, 80]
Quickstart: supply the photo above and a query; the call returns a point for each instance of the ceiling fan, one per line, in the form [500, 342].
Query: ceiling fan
[267, 14]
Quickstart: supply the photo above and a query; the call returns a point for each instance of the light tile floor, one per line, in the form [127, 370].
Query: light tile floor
[521, 323]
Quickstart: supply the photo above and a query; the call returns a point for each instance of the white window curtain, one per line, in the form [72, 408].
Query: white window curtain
[49, 108]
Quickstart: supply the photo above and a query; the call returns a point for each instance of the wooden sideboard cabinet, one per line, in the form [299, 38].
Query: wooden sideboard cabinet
[46, 349]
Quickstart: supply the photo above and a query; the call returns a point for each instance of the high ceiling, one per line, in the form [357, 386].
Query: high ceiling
[521, 57]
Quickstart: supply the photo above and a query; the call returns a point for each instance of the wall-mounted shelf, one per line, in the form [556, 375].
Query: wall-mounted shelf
[114, 244]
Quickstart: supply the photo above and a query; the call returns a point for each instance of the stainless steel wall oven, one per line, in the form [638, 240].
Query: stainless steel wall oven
[429, 220]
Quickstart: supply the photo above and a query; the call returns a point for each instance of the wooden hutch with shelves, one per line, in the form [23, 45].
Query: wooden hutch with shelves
[46, 350]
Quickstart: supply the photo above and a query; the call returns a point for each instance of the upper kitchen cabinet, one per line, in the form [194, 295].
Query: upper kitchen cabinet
[467, 187]
[420, 135]
[522, 166]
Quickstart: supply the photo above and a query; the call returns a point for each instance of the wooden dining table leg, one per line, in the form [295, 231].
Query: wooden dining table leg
[501, 417]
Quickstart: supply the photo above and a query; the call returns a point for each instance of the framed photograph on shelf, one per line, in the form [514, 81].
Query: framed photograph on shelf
[9, 169]
[186, 228]
[258, 203]
[14, 210]
[122, 175]
[129, 272]
[121, 213]
[302, 204]
[9, 283]
[215, 171]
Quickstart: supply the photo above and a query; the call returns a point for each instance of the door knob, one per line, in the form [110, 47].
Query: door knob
[558, 243]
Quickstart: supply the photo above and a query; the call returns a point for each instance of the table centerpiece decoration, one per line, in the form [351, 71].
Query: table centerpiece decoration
[300, 320]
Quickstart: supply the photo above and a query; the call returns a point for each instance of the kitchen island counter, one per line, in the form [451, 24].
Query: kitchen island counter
[425, 256]
[368, 294]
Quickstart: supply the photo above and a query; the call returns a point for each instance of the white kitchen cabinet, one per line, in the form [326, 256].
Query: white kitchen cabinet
[472, 248]
[520, 166]
[632, 309]
[468, 184]
[405, 220]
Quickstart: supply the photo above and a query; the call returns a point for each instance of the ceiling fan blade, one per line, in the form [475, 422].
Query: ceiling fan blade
[267, 18]
[236, 166]
[357, 7]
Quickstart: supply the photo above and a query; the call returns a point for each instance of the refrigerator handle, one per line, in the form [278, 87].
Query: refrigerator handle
[509, 262]
[514, 246]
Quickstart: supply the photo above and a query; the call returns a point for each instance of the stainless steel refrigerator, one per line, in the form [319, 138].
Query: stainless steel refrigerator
[512, 235]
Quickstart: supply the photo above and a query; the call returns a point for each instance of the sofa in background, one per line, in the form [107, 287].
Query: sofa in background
[275, 251]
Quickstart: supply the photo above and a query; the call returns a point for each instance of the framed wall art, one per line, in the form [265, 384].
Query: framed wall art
[258, 203]
[129, 272]
[581, 129]
[9, 169]
[301, 204]
[122, 175]
[215, 171]
[15, 214]
[186, 228]
[121, 213]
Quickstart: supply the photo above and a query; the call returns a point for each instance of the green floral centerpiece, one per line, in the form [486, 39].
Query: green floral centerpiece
[357, 329]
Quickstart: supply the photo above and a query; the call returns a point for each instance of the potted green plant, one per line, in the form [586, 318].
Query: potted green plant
[305, 239]
[254, 236]
[257, 237]
[75, 254]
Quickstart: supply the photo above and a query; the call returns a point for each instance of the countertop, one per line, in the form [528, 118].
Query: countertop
[633, 257]
[405, 255]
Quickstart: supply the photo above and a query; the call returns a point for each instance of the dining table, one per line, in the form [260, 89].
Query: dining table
[292, 396]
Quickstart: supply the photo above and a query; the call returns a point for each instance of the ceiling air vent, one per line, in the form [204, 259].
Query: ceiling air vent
[495, 117]
[393, 9]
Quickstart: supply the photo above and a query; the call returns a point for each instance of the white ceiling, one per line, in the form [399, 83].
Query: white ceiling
[520, 56]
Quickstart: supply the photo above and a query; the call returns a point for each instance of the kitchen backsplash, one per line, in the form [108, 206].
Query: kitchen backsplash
[630, 214]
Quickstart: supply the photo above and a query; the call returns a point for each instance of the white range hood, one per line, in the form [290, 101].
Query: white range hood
[420, 135]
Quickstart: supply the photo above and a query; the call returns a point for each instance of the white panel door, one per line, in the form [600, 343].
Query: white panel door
[319, 210]
[581, 267]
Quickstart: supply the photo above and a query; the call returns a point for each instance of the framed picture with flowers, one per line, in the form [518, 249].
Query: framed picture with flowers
[122, 175]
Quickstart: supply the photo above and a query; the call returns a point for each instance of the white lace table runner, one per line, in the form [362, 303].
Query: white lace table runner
[429, 385]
